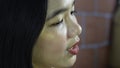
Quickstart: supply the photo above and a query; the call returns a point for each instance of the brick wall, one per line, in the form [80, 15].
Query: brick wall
[95, 18]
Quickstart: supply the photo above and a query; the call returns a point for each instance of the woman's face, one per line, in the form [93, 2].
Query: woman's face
[57, 43]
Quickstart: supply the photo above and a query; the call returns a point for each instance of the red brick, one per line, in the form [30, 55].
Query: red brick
[85, 5]
[106, 6]
[109, 27]
[103, 57]
[95, 29]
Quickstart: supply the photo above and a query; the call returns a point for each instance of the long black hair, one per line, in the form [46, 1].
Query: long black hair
[21, 22]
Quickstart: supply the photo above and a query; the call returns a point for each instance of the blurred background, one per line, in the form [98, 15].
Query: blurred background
[100, 38]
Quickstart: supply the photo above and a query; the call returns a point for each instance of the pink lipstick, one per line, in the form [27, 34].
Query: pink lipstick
[74, 49]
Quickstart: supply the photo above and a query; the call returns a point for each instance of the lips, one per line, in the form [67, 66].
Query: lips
[74, 49]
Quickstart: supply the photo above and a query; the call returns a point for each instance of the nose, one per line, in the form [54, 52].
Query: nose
[73, 28]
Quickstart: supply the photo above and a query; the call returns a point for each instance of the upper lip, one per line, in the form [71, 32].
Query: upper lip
[74, 44]
[77, 43]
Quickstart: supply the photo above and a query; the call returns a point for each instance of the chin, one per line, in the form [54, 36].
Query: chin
[68, 63]
[71, 62]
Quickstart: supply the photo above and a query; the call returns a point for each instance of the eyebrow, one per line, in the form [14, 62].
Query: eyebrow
[59, 12]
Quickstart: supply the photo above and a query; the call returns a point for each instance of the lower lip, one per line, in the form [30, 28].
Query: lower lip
[74, 50]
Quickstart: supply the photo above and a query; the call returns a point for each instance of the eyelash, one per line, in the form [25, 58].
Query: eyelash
[73, 12]
[58, 23]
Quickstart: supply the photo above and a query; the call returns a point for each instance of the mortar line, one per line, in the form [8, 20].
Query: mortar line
[94, 45]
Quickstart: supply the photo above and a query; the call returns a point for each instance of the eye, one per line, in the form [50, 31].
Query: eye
[56, 24]
[73, 12]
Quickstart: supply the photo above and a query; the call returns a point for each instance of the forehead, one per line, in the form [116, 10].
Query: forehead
[54, 5]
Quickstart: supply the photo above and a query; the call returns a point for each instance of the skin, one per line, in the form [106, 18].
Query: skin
[60, 32]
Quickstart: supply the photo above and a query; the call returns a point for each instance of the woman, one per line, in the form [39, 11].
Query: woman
[38, 34]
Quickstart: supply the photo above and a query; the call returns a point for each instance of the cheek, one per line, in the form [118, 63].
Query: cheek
[54, 42]
[54, 39]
